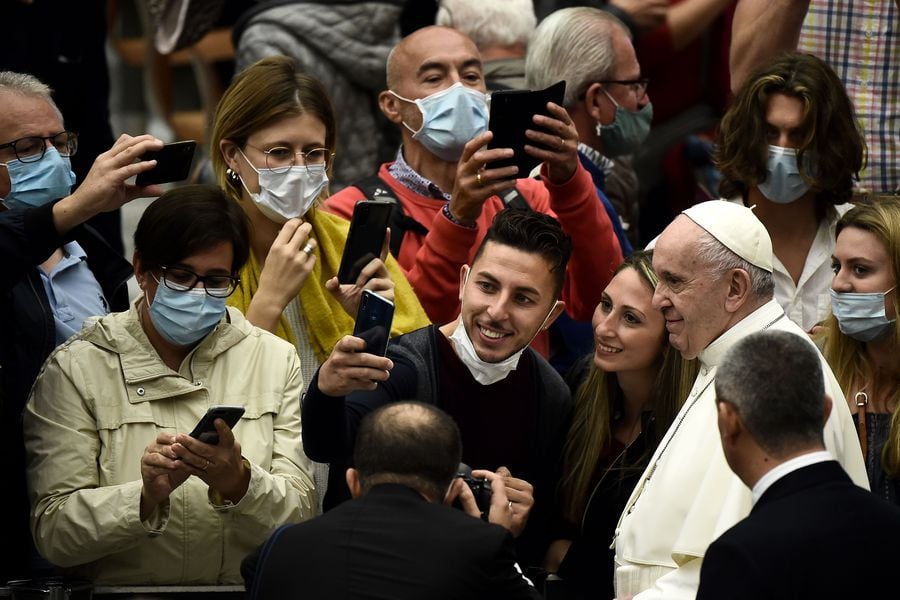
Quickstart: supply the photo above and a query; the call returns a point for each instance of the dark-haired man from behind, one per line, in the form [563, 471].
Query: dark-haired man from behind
[397, 539]
[810, 523]
[512, 407]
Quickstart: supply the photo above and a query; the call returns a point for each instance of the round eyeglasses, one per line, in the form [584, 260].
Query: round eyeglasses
[638, 86]
[180, 279]
[280, 159]
[32, 148]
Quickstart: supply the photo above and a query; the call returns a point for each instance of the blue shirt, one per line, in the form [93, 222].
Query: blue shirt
[73, 292]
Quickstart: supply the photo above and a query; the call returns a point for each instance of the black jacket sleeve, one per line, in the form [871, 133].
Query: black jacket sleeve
[27, 238]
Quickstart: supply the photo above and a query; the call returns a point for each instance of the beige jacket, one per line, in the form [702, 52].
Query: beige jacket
[104, 395]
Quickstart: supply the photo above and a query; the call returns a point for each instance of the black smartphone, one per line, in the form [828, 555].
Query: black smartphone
[173, 163]
[512, 112]
[373, 322]
[205, 431]
[368, 226]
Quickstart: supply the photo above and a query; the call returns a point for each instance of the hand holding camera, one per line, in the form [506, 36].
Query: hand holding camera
[505, 500]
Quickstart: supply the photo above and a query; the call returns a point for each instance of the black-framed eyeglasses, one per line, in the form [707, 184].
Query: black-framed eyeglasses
[638, 86]
[280, 159]
[180, 279]
[32, 148]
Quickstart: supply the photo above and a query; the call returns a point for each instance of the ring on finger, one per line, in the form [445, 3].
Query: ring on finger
[206, 466]
[478, 178]
[509, 505]
[308, 249]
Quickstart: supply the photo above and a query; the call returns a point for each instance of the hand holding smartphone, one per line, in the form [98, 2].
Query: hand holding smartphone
[205, 431]
[368, 227]
[373, 322]
[173, 163]
[512, 112]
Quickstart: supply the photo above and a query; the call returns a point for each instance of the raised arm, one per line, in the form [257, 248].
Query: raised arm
[762, 29]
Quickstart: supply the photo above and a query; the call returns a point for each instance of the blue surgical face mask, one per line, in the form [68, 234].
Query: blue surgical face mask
[861, 316]
[450, 118]
[37, 183]
[783, 184]
[185, 317]
[627, 131]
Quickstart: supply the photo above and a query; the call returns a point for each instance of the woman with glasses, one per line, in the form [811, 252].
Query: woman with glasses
[861, 338]
[274, 130]
[121, 494]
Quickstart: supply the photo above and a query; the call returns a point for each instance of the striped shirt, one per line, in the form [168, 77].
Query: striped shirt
[860, 39]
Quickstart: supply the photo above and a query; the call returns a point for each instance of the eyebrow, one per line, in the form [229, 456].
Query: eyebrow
[522, 288]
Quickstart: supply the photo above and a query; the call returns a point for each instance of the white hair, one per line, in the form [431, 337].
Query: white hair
[24, 84]
[574, 44]
[490, 22]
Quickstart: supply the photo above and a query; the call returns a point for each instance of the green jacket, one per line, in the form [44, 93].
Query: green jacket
[104, 395]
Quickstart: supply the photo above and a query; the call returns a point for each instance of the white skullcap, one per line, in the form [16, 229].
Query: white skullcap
[737, 228]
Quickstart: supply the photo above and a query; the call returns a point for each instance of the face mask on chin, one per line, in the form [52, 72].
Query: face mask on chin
[288, 195]
[450, 118]
[484, 372]
[37, 183]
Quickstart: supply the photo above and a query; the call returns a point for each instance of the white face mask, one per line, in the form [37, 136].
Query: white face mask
[483, 372]
[287, 195]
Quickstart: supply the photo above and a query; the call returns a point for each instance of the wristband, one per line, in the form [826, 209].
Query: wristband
[454, 220]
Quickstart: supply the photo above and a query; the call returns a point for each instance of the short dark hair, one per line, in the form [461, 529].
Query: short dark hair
[410, 443]
[831, 133]
[774, 380]
[187, 220]
[533, 232]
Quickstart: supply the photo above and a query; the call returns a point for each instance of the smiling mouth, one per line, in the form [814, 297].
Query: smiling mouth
[491, 334]
[609, 349]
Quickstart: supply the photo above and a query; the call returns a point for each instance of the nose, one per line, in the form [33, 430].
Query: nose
[643, 100]
[841, 282]
[497, 310]
[603, 327]
[660, 300]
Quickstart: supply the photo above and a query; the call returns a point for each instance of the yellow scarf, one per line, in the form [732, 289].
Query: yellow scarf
[328, 322]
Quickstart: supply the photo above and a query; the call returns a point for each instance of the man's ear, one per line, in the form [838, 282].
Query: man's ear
[598, 105]
[390, 106]
[730, 425]
[463, 275]
[739, 289]
[138, 268]
[353, 483]
[826, 409]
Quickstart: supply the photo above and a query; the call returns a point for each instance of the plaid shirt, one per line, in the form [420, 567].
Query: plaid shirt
[860, 39]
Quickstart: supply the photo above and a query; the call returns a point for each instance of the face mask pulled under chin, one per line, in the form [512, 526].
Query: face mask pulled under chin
[861, 316]
[484, 372]
[288, 195]
[450, 118]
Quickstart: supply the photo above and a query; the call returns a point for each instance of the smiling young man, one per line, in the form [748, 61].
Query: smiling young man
[512, 408]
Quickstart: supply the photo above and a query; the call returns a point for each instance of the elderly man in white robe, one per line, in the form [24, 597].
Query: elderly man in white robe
[714, 263]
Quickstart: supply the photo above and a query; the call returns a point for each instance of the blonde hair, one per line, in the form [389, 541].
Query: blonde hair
[596, 400]
[267, 91]
[847, 356]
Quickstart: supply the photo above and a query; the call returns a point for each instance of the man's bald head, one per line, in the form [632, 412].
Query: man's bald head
[425, 46]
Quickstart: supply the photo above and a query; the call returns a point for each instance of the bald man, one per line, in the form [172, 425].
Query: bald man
[443, 180]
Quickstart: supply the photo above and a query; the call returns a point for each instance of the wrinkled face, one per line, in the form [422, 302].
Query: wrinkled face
[861, 265]
[23, 116]
[431, 60]
[506, 299]
[629, 333]
[691, 300]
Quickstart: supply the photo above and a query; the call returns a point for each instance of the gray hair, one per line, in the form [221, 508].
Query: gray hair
[574, 44]
[492, 23]
[774, 380]
[721, 259]
[24, 84]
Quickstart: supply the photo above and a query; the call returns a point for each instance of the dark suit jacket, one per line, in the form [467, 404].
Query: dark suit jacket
[391, 544]
[813, 534]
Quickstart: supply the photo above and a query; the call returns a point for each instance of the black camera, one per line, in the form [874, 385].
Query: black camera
[481, 489]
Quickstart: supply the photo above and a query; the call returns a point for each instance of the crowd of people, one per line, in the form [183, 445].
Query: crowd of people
[666, 391]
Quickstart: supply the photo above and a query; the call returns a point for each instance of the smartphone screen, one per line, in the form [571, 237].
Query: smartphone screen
[373, 322]
[173, 163]
[205, 431]
[512, 112]
[367, 230]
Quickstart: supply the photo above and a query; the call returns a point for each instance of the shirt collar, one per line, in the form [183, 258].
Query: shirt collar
[759, 319]
[795, 464]
[594, 155]
[408, 178]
